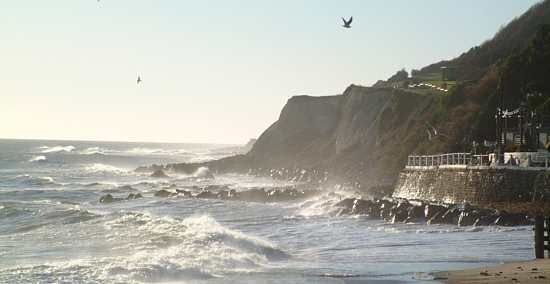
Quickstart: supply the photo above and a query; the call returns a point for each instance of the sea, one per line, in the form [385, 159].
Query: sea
[53, 229]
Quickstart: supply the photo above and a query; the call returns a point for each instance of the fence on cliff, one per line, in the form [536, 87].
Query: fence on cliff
[536, 159]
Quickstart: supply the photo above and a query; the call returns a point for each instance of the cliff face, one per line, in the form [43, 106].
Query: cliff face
[363, 135]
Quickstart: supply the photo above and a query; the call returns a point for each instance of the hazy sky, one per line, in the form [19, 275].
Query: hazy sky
[213, 71]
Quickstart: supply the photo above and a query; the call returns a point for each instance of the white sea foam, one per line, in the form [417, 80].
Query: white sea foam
[38, 159]
[193, 244]
[103, 168]
[159, 250]
[46, 149]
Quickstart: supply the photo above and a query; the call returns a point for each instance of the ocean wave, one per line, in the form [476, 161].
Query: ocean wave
[38, 159]
[159, 249]
[156, 151]
[46, 149]
[35, 181]
[194, 242]
[93, 151]
[66, 216]
[98, 168]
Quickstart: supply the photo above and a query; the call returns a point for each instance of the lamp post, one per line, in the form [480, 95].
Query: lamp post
[498, 129]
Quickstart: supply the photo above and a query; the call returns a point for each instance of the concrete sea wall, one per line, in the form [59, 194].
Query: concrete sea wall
[504, 188]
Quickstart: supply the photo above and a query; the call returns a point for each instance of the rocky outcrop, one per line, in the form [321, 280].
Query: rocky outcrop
[402, 211]
[225, 193]
[361, 137]
[159, 174]
[108, 198]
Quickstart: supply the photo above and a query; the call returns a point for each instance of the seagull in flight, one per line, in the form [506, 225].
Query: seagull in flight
[347, 24]
[139, 79]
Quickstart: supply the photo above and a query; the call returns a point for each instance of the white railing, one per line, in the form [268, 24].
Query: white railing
[535, 159]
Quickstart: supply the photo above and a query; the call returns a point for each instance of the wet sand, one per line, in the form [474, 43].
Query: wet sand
[537, 271]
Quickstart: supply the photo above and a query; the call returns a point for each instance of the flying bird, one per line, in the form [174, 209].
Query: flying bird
[347, 24]
[139, 79]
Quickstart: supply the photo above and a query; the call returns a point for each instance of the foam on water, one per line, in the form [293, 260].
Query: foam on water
[161, 249]
[40, 158]
[47, 149]
[98, 168]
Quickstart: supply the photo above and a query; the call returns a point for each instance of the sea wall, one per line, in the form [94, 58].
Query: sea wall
[503, 188]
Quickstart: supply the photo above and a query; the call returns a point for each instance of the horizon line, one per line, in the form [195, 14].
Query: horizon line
[117, 141]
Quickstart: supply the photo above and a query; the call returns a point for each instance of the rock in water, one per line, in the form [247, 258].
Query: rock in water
[184, 193]
[431, 210]
[206, 195]
[415, 214]
[467, 218]
[164, 193]
[159, 174]
[134, 196]
[108, 198]
[506, 219]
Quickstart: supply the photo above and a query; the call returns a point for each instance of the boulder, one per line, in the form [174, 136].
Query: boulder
[467, 218]
[134, 196]
[506, 219]
[386, 209]
[416, 214]
[159, 174]
[400, 212]
[108, 198]
[183, 193]
[431, 210]
[206, 194]
[486, 217]
[164, 193]
[362, 207]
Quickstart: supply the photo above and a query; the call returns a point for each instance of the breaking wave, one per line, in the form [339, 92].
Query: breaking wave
[99, 168]
[151, 151]
[38, 159]
[46, 149]
[324, 204]
[93, 151]
[35, 181]
[161, 249]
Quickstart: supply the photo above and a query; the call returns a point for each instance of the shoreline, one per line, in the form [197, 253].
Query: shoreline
[534, 271]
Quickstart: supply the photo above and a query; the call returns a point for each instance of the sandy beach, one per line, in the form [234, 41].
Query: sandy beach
[537, 271]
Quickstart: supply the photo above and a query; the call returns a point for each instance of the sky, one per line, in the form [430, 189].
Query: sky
[213, 71]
